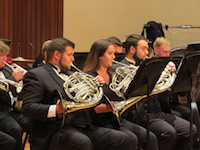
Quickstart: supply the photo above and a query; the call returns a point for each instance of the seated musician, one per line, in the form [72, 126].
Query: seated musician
[11, 122]
[195, 91]
[172, 131]
[40, 106]
[41, 59]
[118, 45]
[162, 48]
[98, 63]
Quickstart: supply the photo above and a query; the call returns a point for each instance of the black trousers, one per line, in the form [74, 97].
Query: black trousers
[98, 138]
[141, 134]
[172, 134]
[7, 142]
[11, 123]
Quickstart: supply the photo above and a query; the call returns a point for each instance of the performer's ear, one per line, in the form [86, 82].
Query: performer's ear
[132, 49]
[56, 54]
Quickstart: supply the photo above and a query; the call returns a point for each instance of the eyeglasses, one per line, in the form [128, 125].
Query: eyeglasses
[165, 52]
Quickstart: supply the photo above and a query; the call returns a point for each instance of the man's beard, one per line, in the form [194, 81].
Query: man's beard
[63, 67]
[138, 61]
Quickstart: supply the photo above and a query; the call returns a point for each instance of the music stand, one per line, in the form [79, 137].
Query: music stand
[185, 72]
[147, 74]
[80, 58]
[183, 81]
[192, 48]
[145, 80]
[176, 60]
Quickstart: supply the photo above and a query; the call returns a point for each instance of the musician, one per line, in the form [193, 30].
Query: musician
[136, 51]
[172, 131]
[11, 122]
[42, 58]
[195, 91]
[47, 131]
[162, 48]
[99, 62]
[118, 45]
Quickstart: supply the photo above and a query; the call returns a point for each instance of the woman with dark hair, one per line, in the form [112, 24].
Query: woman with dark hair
[98, 64]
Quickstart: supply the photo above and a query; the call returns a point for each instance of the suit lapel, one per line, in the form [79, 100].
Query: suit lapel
[54, 75]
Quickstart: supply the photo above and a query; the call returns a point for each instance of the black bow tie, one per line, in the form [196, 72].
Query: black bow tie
[63, 72]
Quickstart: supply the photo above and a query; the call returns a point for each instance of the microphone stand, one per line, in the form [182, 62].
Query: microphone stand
[180, 26]
[29, 43]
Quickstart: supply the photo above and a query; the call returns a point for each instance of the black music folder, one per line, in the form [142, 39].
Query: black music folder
[192, 48]
[185, 73]
[146, 77]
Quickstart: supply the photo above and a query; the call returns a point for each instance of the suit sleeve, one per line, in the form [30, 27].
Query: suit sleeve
[32, 96]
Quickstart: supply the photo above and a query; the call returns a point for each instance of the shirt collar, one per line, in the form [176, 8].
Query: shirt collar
[130, 61]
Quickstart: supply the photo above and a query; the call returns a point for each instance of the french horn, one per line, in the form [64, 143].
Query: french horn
[122, 78]
[165, 80]
[83, 89]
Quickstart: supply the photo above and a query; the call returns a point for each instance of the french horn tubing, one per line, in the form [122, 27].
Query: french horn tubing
[83, 90]
[122, 78]
[165, 80]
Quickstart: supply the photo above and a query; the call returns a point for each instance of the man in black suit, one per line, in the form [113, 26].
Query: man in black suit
[172, 131]
[40, 106]
[162, 48]
[138, 50]
[11, 122]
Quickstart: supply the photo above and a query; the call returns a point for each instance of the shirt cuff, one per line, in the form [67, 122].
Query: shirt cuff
[52, 111]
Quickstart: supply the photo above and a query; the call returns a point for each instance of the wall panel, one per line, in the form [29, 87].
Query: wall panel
[28, 23]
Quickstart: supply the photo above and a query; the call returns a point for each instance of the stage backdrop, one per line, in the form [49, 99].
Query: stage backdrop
[28, 23]
[89, 20]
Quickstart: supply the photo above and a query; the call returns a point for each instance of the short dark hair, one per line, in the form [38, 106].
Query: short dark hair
[58, 44]
[132, 40]
[115, 40]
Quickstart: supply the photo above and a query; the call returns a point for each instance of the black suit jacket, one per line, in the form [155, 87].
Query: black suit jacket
[37, 95]
[5, 100]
